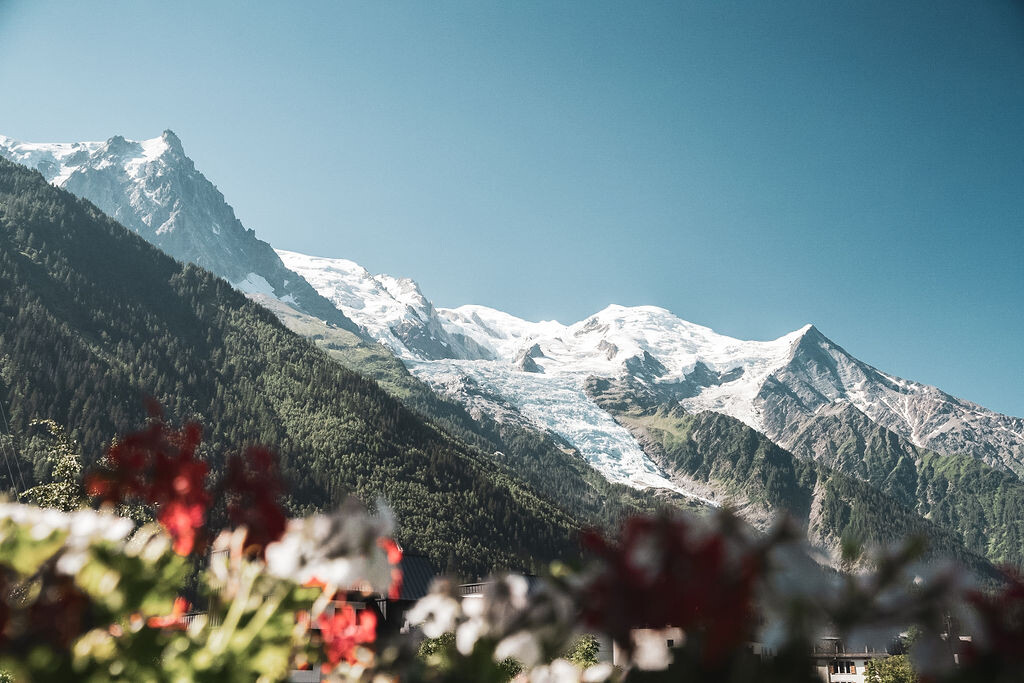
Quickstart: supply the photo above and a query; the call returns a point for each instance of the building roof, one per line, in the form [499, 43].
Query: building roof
[417, 574]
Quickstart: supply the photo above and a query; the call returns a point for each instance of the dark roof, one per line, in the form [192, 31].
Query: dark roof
[417, 574]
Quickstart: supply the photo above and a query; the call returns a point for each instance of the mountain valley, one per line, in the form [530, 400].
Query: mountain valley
[631, 408]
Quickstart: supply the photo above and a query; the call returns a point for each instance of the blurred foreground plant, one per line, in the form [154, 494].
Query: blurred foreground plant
[93, 596]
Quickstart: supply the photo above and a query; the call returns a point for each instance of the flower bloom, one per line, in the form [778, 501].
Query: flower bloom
[996, 653]
[395, 560]
[253, 487]
[172, 620]
[158, 466]
[661, 574]
[347, 549]
[344, 631]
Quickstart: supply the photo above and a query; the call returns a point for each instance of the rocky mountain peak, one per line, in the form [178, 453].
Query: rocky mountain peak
[154, 189]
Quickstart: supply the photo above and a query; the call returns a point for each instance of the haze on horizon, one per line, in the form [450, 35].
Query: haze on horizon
[750, 168]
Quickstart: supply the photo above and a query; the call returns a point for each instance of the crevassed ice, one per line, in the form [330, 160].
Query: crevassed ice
[559, 404]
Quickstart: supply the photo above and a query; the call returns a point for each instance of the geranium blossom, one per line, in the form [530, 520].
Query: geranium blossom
[661, 573]
[158, 466]
[253, 489]
[344, 631]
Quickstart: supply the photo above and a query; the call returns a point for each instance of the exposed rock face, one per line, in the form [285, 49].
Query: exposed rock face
[391, 310]
[526, 363]
[645, 366]
[820, 373]
[153, 188]
[801, 390]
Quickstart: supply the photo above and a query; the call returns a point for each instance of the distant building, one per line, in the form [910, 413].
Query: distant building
[837, 663]
[417, 575]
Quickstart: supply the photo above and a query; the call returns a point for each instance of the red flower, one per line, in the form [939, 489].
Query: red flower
[344, 631]
[395, 560]
[660, 575]
[158, 466]
[172, 620]
[253, 487]
[997, 652]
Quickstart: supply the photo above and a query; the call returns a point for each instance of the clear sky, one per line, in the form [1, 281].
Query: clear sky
[751, 166]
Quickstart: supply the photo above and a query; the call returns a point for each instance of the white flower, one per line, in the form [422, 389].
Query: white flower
[437, 613]
[468, 633]
[597, 673]
[339, 549]
[521, 646]
[650, 650]
[558, 671]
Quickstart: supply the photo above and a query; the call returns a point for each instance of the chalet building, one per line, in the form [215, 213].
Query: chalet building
[417, 575]
[837, 663]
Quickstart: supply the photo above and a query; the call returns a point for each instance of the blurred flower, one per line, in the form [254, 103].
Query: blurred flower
[342, 550]
[252, 486]
[564, 671]
[172, 620]
[996, 653]
[158, 466]
[394, 554]
[80, 529]
[344, 631]
[527, 625]
[438, 611]
[660, 573]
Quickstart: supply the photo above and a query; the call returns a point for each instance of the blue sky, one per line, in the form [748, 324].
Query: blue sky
[749, 166]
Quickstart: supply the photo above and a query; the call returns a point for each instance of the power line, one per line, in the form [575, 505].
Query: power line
[14, 453]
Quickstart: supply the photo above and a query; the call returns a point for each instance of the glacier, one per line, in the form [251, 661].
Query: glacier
[514, 368]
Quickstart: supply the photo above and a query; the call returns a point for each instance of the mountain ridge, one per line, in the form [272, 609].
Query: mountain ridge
[768, 385]
[153, 188]
[515, 378]
[93, 319]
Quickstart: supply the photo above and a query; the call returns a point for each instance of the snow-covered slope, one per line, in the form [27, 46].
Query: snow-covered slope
[513, 368]
[540, 369]
[153, 188]
[392, 310]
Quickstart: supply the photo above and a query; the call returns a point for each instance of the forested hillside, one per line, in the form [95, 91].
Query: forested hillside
[92, 319]
[554, 469]
[743, 468]
[982, 504]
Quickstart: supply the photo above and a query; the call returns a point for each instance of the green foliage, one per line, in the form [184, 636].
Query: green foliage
[432, 648]
[895, 669]
[764, 477]
[976, 502]
[123, 321]
[982, 504]
[583, 651]
[554, 470]
[64, 490]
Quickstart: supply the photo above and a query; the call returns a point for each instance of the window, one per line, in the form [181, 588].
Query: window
[844, 666]
[671, 642]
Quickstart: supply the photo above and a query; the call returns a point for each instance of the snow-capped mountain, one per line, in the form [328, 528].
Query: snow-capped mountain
[541, 368]
[394, 311]
[153, 188]
[513, 369]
